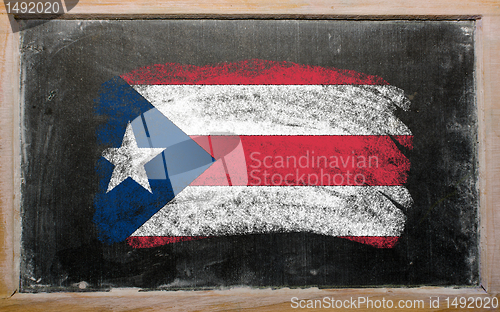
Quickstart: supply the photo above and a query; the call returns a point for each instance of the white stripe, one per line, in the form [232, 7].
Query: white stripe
[327, 210]
[280, 109]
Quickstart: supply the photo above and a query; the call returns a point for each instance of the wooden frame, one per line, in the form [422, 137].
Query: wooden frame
[487, 14]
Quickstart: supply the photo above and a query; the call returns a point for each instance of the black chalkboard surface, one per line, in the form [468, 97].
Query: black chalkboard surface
[84, 81]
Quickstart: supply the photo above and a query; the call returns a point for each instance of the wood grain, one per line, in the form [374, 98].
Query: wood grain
[9, 94]
[490, 150]
[488, 77]
[298, 7]
[239, 299]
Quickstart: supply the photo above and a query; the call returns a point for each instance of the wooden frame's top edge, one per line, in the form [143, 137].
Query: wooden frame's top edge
[249, 16]
[288, 8]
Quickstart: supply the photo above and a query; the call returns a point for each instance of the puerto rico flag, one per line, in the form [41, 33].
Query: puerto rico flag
[254, 147]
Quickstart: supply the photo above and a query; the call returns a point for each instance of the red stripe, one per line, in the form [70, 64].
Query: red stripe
[308, 160]
[156, 241]
[255, 72]
[375, 241]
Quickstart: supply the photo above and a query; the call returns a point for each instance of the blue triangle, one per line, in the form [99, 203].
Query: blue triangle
[124, 209]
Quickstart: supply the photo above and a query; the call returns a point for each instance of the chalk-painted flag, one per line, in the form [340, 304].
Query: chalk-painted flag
[191, 152]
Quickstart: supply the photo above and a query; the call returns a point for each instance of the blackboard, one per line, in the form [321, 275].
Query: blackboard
[65, 64]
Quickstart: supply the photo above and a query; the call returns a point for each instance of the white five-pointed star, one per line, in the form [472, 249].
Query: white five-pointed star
[129, 161]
